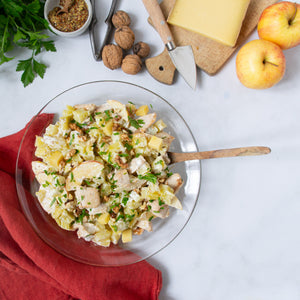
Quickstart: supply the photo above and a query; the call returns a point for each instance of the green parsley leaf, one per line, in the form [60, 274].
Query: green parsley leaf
[149, 177]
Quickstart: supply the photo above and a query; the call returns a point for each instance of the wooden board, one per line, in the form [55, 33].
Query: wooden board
[210, 55]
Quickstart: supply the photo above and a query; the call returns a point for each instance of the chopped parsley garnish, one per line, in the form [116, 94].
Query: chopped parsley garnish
[123, 154]
[72, 177]
[79, 219]
[46, 184]
[136, 123]
[101, 146]
[129, 218]
[125, 200]
[128, 147]
[108, 116]
[72, 139]
[53, 201]
[160, 162]
[150, 218]
[149, 177]
[114, 227]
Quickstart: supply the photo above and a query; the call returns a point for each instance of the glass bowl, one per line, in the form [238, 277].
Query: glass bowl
[164, 230]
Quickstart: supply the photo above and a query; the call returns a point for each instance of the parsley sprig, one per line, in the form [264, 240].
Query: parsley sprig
[21, 25]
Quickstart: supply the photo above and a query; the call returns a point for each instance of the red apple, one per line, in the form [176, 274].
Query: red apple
[260, 64]
[280, 24]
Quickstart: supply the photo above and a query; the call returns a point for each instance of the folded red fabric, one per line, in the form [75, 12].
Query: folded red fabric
[30, 269]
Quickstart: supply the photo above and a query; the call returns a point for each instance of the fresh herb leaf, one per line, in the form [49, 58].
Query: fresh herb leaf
[21, 25]
[149, 177]
[136, 123]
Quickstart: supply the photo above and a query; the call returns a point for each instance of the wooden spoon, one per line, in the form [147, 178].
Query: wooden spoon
[66, 8]
[243, 151]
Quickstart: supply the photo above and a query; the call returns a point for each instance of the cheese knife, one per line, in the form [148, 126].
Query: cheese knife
[182, 57]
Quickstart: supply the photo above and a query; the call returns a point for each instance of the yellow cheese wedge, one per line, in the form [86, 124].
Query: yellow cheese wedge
[220, 20]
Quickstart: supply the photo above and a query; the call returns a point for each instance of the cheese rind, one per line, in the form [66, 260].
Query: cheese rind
[216, 19]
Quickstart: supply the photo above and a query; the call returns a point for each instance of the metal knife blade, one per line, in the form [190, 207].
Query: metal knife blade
[182, 57]
[183, 60]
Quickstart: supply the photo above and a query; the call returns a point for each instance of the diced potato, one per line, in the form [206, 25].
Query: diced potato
[104, 218]
[115, 236]
[127, 235]
[155, 143]
[68, 112]
[107, 129]
[65, 220]
[115, 147]
[160, 125]
[41, 195]
[57, 212]
[142, 110]
[167, 193]
[139, 140]
[103, 236]
[80, 115]
[51, 130]
[55, 158]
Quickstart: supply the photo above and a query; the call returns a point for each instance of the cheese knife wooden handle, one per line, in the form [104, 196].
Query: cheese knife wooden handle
[158, 20]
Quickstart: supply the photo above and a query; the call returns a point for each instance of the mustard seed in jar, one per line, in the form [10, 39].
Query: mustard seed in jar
[71, 20]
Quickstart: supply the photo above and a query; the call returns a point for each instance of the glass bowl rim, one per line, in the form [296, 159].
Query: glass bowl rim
[36, 116]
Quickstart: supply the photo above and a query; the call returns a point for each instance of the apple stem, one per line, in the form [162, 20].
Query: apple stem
[294, 15]
[268, 62]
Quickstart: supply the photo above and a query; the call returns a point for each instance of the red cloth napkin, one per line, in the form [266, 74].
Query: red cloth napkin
[30, 269]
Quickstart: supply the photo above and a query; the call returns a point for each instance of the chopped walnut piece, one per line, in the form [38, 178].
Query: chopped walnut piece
[73, 126]
[106, 139]
[105, 198]
[120, 162]
[116, 209]
[125, 137]
[138, 231]
[118, 118]
[71, 153]
[116, 127]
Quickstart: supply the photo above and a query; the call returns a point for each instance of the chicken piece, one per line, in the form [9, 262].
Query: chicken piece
[119, 109]
[85, 229]
[175, 203]
[147, 121]
[125, 182]
[167, 138]
[101, 209]
[136, 163]
[103, 107]
[39, 169]
[144, 222]
[160, 211]
[87, 197]
[88, 169]
[90, 107]
[174, 181]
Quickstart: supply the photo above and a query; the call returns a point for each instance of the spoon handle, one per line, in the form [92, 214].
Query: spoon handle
[243, 151]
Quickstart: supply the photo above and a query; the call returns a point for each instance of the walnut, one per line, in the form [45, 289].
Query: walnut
[112, 56]
[132, 64]
[124, 37]
[141, 49]
[121, 18]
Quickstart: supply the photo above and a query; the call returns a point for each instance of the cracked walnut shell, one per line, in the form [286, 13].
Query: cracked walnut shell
[124, 37]
[112, 56]
[120, 18]
[131, 64]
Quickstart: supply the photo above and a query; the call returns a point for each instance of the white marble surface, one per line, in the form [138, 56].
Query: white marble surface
[243, 241]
